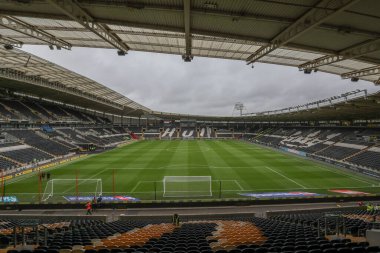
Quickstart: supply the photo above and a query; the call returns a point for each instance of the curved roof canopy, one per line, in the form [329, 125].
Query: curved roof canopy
[335, 36]
[38, 76]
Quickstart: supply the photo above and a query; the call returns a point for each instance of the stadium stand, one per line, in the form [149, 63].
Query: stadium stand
[54, 226]
[356, 221]
[223, 133]
[35, 139]
[369, 159]
[337, 152]
[188, 132]
[338, 37]
[56, 111]
[6, 164]
[6, 114]
[36, 109]
[27, 155]
[349, 145]
[286, 232]
[73, 136]
[52, 131]
[20, 109]
[356, 146]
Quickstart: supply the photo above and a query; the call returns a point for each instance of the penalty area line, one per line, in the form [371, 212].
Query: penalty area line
[291, 180]
[345, 174]
[134, 188]
[238, 184]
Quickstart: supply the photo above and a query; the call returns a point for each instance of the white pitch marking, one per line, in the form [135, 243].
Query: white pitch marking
[134, 188]
[285, 177]
[86, 179]
[238, 184]
[252, 190]
[26, 176]
[345, 174]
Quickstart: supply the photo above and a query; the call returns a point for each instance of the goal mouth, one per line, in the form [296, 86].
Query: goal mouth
[76, 187]
[187, 186]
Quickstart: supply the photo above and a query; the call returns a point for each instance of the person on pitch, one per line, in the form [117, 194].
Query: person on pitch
[89, 208]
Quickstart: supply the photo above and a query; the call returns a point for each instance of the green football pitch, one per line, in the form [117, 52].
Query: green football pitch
[229, 168]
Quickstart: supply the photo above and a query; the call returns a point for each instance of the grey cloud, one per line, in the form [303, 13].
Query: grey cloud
[204, 86]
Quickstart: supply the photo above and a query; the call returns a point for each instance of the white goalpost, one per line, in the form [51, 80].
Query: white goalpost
[84, 187]
[187, 186]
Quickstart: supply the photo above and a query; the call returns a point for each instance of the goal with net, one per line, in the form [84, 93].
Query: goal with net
[73, 187]
[187, 186]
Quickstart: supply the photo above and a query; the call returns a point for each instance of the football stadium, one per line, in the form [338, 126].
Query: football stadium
[87, 169]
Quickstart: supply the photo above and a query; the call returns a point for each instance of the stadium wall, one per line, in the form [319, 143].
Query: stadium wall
[194, 203]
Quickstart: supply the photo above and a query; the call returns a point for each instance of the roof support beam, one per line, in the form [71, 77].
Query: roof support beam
[197, 11]
[10, 41]
[13, 55]
[22, 65]
[40, 82]
[61, 79]
[86, 83]
[74, 11]
[187, 57]
[29, 30]
[362, 72]
[105, 92]
[116, 96]
[309, 20]
[44, 73]
[349, 53]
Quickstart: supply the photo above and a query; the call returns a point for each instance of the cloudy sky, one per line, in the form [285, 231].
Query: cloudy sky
[204, 86]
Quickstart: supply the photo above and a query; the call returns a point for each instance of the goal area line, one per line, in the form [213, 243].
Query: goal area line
[236, 185]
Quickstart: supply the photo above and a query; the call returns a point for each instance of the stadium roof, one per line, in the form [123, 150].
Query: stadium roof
[360, 106]
[34, 75]
[335, 36]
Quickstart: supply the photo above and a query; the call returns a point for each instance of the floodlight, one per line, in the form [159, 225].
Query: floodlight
[187, 58]
[354, 79]
[210, 5]
[307, 71]
[8, 46]
[121, 53]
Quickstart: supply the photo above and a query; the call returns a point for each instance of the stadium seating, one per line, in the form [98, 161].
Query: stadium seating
[349, 145]
[56, 110]
[55, 226]
[23, 111]
[357, 221]
[368, 159]
[34, 139]
[337, 153]
[25, 146]
[43, 141]
[6, 164]
[27, 155]
[6, 114]
[197, 234]
[72, 129]
[224, 133]
[37, 109]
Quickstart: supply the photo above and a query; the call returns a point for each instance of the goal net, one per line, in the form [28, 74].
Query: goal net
[72, 187]
[187, 186]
